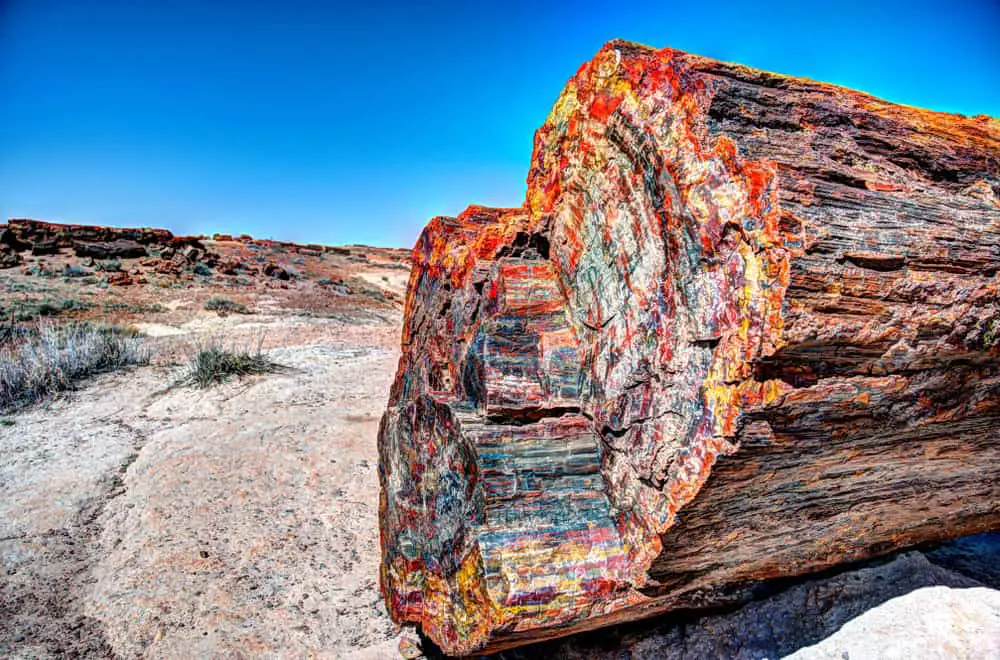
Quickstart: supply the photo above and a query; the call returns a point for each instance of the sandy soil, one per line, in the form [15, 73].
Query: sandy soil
[139, 519]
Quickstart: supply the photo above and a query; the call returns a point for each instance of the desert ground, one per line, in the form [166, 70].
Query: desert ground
[143, 517]
[139, 517]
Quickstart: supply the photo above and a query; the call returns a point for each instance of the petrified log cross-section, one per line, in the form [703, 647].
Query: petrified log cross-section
[744, 326]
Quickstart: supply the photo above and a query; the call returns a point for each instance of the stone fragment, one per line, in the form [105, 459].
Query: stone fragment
[9, 258]
[276, 271]
[120, 278]
[119, 249]
[43, 248]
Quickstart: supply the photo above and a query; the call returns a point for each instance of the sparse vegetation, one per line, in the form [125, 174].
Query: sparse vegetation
[27, 287]
[134, 308]
[109, 266]
[55, 357]
[41, 270]
[28, 309]
[202, 270]
[227, 306]
[53, 308]
[213, 363]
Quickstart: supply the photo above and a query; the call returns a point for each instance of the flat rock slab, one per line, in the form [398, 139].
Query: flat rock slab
[934, 623]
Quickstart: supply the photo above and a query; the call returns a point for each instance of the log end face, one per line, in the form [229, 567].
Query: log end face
[573, 371]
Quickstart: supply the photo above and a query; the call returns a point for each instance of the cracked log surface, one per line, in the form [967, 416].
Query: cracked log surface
[744, 326]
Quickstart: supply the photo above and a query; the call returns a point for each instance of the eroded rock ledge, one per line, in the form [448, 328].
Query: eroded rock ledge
[744, 326]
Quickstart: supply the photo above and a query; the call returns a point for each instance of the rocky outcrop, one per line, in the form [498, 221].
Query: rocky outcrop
[43, 238]
[31, 232]
[103, 243]
[745, 326]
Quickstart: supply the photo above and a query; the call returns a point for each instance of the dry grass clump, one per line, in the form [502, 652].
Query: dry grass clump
[213, 363]
[53, 358]
[227, 306]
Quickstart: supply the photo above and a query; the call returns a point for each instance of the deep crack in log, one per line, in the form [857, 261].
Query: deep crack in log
[744, 326]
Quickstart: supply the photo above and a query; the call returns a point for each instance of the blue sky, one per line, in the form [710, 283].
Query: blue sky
[333, 123]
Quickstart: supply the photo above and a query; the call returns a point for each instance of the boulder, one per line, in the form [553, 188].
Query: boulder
[10, 241]
[118, 249]
[193, 254]
[9, 258]
[276, 271]
[120, 278]
[43, 248]
[744, 326]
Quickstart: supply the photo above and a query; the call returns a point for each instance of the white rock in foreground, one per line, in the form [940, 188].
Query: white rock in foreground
[934, 622]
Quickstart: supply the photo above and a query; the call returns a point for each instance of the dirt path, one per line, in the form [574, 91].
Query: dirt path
[241, 521]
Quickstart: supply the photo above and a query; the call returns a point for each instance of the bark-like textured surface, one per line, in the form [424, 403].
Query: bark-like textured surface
[744, 326]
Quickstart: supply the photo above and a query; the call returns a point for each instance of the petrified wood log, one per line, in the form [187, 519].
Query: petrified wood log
[744, 326]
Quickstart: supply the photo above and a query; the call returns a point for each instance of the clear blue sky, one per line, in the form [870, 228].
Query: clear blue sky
[320, 122]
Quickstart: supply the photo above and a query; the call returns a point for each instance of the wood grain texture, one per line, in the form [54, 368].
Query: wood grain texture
[744, 326]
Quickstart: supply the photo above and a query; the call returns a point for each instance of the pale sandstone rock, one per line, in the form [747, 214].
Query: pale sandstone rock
[930, 623]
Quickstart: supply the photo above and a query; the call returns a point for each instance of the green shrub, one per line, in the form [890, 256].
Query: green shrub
[226, 305]
[74, 305]
[58, 356]
[109, 266]
[202, 269]
[213, 363]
